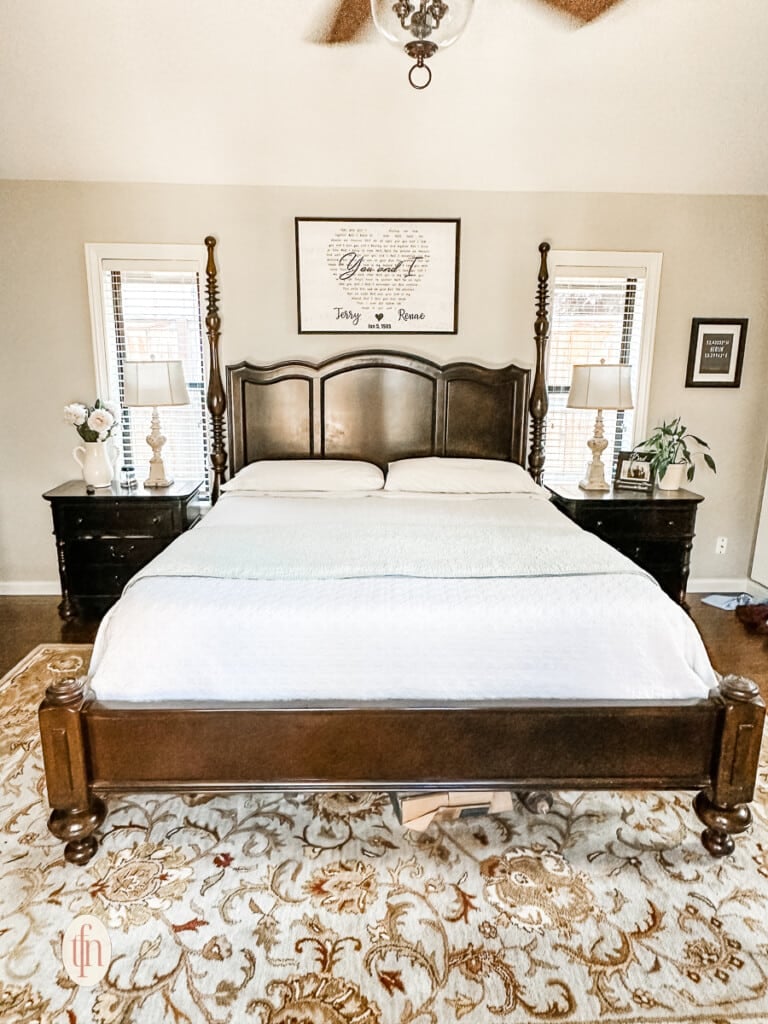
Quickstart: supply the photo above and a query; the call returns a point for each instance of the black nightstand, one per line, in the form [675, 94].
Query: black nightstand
[102, 539]
[656, 529]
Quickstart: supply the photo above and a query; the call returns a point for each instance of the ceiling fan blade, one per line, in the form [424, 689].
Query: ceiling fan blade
[347, 23]
[584, 10]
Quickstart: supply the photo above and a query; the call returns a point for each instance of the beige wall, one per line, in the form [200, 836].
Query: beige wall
[715, 264]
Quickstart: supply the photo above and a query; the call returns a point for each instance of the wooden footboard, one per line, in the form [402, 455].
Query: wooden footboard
[91, 748]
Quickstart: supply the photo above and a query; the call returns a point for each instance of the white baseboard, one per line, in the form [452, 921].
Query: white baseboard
[697, 585]
[725, 585]
[26, 588]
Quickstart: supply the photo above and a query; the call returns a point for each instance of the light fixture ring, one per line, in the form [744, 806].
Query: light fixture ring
[416, 67]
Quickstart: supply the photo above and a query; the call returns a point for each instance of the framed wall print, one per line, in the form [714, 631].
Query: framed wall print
[377, 276]
[634, 472]
[716, 353]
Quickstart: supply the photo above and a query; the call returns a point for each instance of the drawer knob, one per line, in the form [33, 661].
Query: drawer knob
[155, 520]
[120, 556]
[671, 522]
[598, 522]
[79, 520]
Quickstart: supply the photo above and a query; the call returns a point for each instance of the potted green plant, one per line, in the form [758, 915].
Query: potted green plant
[671, 456]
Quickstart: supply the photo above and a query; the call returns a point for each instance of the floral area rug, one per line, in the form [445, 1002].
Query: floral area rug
[322, 909]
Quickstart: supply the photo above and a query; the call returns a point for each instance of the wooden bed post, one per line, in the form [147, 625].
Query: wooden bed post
[216, 397]
[539, 403]
[77, 813]
[723, 807]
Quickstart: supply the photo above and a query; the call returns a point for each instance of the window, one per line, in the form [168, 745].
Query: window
[603, 307]
[145, 302]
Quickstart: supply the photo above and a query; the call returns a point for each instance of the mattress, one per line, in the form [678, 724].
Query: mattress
[420, 634]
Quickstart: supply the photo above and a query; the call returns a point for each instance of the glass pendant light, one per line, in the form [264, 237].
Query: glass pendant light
[421, 27]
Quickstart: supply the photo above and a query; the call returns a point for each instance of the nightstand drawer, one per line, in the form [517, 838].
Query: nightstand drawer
[92, 580]
[619, 522]
[115, 551]
[99, 520]
[653, 555]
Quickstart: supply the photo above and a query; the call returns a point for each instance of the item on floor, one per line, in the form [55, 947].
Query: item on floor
[754, 617]
[727, 601]
[320, 906]
[417, 811]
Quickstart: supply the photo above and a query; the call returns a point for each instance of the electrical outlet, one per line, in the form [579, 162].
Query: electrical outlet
[721, 545]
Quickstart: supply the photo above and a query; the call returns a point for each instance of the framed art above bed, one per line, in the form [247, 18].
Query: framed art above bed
[269, 582]
[377, 276]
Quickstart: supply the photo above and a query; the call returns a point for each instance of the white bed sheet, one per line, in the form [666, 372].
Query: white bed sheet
[578, 637]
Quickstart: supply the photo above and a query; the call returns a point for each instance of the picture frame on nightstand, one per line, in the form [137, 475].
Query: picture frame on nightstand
[634, 472]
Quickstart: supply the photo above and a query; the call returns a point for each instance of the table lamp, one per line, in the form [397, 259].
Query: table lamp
[152, 383]
[599, 386]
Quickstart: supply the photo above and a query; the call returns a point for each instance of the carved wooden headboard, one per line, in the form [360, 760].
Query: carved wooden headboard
[376, 406]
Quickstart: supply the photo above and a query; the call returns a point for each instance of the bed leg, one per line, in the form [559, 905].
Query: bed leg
[724, 806]
[722, 823]
[76, 812]
[76, 827]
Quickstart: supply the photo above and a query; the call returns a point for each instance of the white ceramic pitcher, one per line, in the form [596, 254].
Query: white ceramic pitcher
[97, 459]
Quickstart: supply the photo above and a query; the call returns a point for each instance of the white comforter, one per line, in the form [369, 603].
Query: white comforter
[369, 637]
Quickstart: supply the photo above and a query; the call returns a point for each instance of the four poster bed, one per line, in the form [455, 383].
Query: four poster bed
[491, 690]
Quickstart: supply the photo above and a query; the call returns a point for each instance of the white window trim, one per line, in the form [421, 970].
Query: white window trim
[568, 260]
[186, 256]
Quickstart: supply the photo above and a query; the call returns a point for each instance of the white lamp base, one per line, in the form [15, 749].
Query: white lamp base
[157, 477]
[595, 475]
[595, 478]
[155, 440]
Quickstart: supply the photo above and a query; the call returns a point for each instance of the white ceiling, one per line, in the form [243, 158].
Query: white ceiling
[655, 96]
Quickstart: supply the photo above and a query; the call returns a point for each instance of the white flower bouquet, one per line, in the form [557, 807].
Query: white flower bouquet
[96, 422]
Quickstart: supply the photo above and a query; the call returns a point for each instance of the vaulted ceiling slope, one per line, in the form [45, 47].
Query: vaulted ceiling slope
[653, 96]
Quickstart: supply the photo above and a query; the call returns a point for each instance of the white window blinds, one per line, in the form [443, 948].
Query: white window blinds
[598, 312]
[156, 312]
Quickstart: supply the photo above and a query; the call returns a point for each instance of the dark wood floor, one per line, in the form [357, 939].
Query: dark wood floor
[731, 647]
[27, 621]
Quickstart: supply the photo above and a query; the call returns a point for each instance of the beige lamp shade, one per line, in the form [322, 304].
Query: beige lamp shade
[155, 382]
[601, 386]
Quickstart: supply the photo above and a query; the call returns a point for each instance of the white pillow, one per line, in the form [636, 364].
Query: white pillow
[459, 476]
[307, 475]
